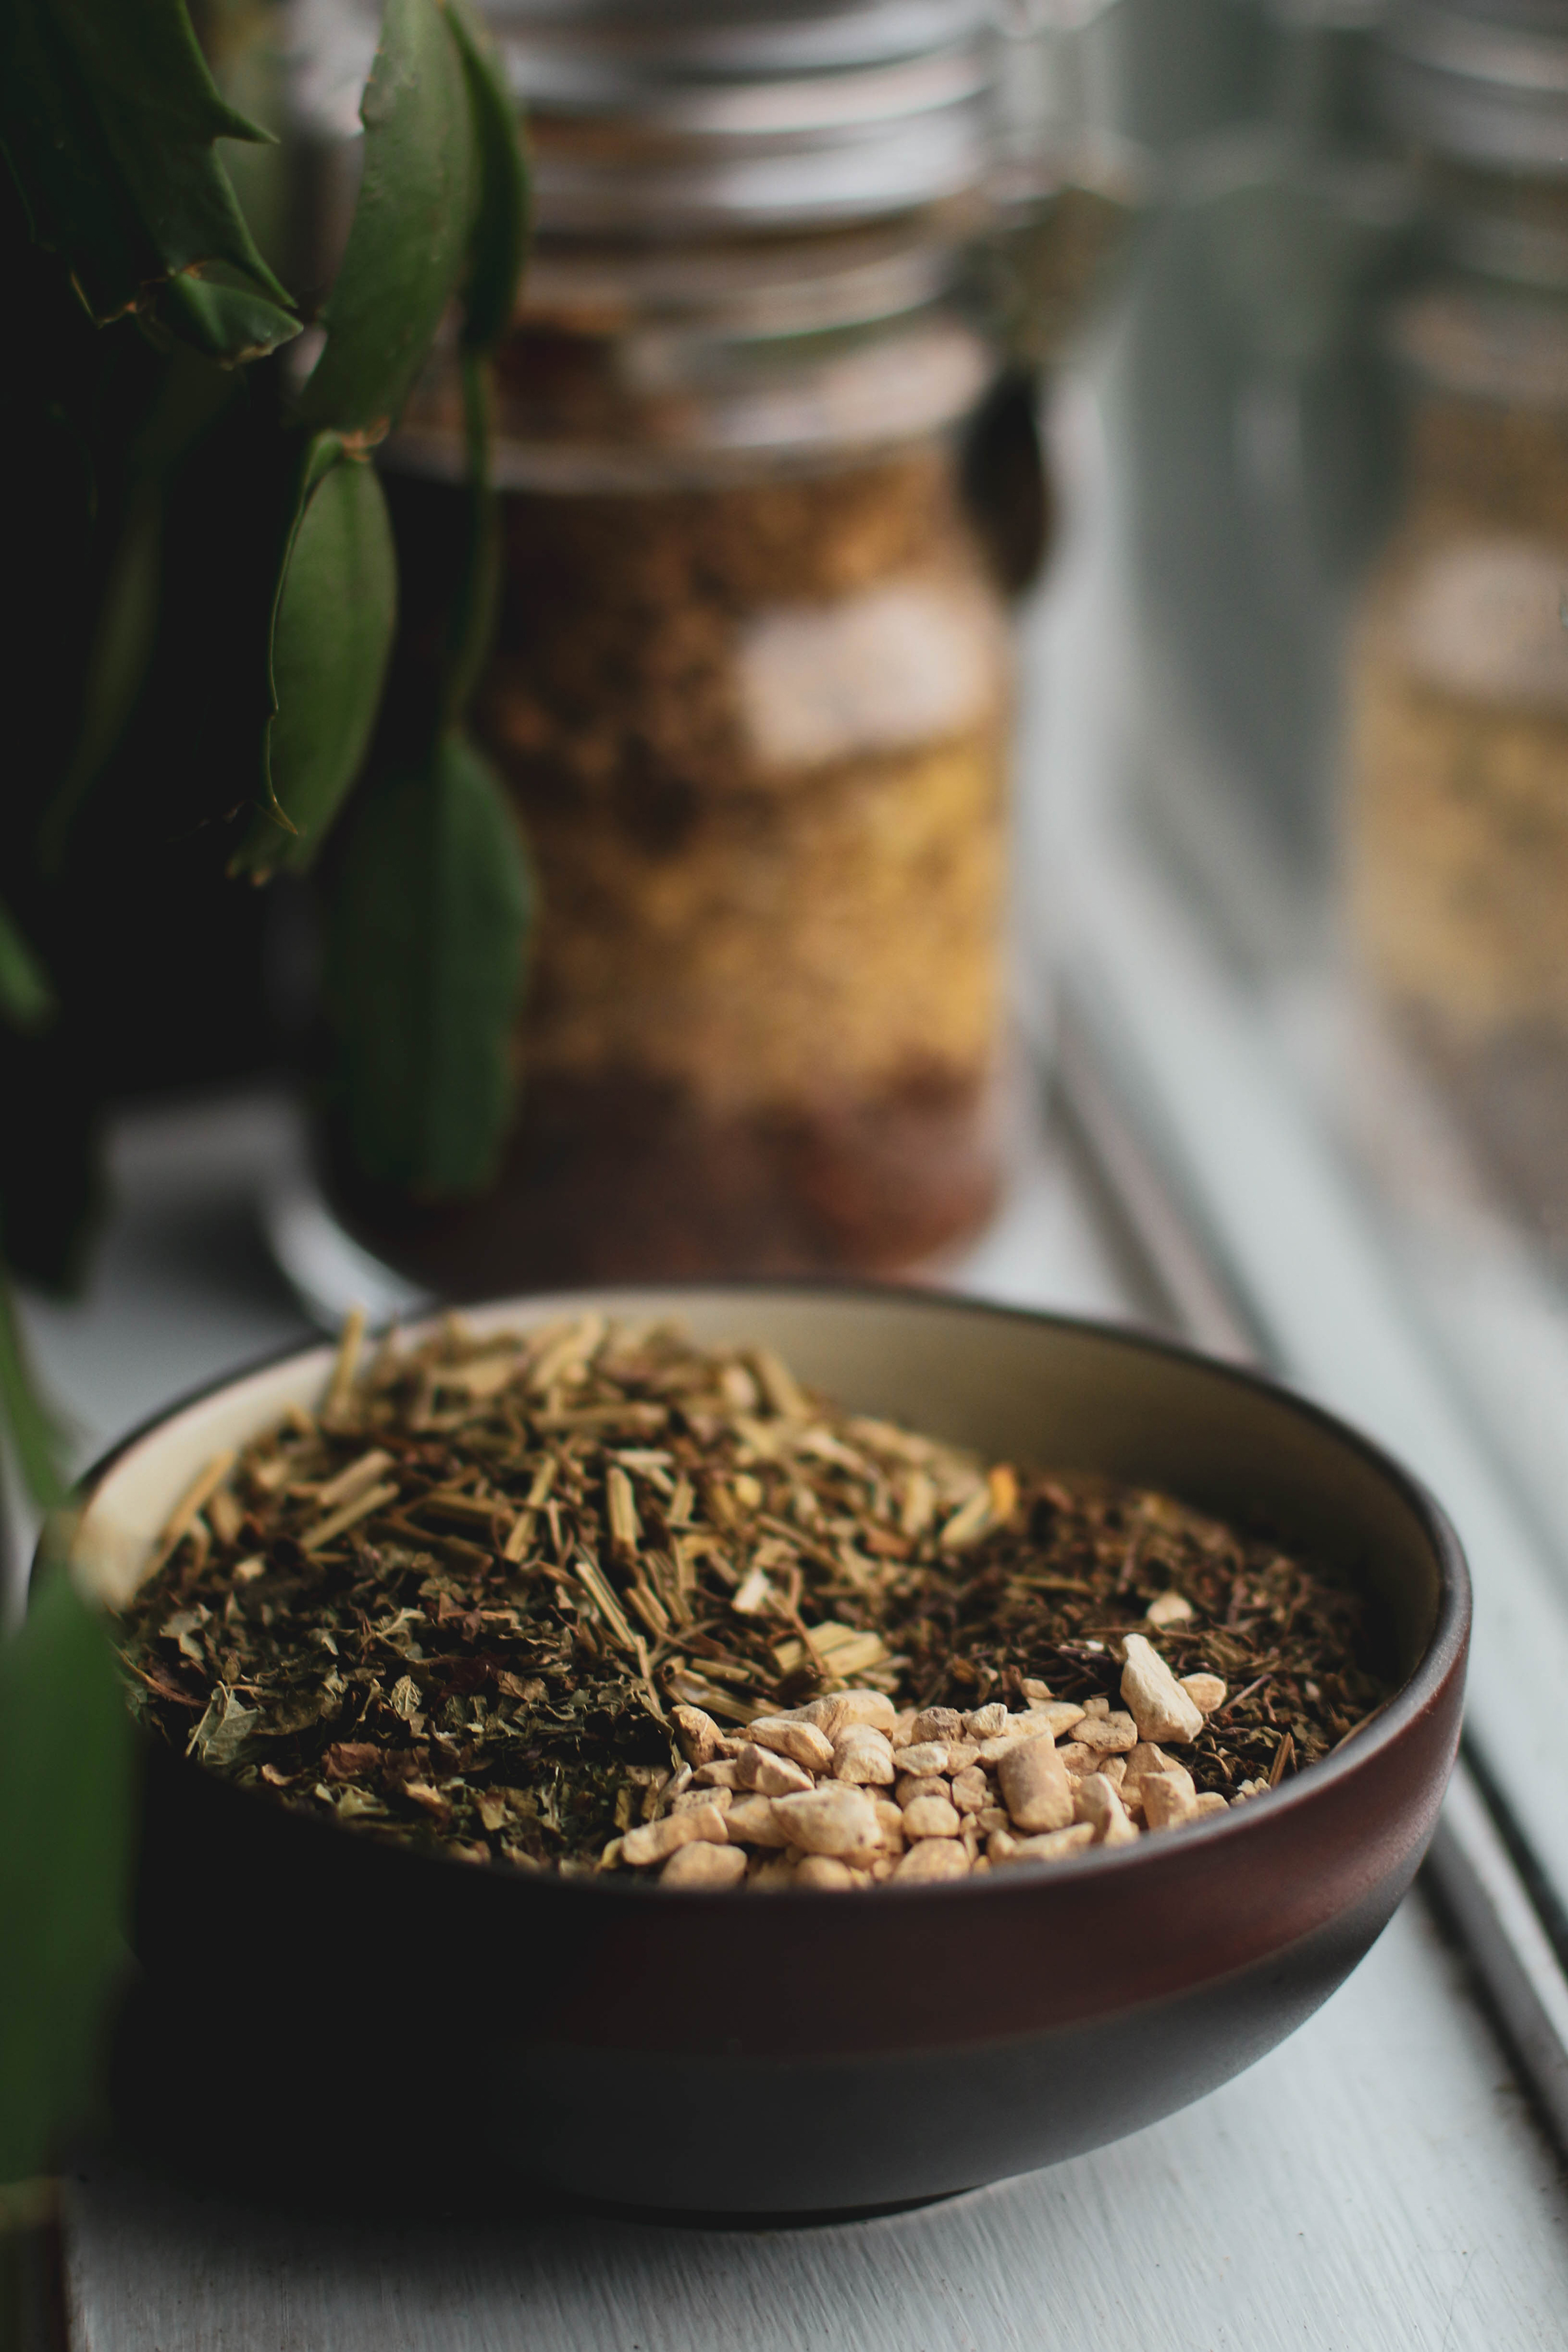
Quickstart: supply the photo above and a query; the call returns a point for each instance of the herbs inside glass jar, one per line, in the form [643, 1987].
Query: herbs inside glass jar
[576, 1599]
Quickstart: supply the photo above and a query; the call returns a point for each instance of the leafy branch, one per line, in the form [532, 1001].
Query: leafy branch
[213, 598]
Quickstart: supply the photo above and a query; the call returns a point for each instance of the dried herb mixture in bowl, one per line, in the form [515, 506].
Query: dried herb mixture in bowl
[593, 1598]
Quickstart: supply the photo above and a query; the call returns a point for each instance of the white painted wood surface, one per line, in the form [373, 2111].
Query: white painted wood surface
[1377, 2183]
[1375, 2186]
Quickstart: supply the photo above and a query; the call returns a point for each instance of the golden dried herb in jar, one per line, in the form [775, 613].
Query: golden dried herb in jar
[750, 688]
[1457, 811]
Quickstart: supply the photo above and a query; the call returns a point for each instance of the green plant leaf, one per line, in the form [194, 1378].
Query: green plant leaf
[66, 1802]
[426, 954]
[109, 120]
[409, 235]
[231, 324]
[331, 637]
[498, 246]
[26, 999]
[27, 1419]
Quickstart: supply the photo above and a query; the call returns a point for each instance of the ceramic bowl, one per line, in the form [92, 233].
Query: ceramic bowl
[352, 2005]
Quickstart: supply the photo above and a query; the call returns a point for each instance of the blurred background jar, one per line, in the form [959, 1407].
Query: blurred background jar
[750, 691]
[1456, 766]
[1254, 432]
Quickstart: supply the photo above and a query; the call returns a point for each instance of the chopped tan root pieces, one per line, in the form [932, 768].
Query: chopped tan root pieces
[1035, 1787]
[832, 1716]
[704, 1865]
[803, 1743]
[824, 1870]
[833, 1819]
[1168, 1798]
[1106, 1734]
[931, 1817]
[1056, 1846]
[656, 1840]
[753, 1821]
[1098, 1805]
[770, 1775]
[1205, 1690]
[1160, 1707]
[934, 1858]
[700, 1737]
[863, 1755]
[803, 1800]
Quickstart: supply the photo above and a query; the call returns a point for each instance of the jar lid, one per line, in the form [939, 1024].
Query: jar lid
[710, 116]
[1482, 82]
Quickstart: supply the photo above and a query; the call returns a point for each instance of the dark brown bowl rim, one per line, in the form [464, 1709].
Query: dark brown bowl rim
[1444, 1654]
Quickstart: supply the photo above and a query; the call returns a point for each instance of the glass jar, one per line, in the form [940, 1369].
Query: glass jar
[1456, 779]
[750, 689]
[1253, 438]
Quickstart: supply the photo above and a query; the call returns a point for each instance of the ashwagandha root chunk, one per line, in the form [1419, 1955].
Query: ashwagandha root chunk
[1147, 1757]
[836, 1820]
[689, 1798]
[823, 1870]
[701, 1741]
[654, 1840]
[770, 1775]
[921, 1757]
[1035, 1789]
[891, 1821]
[1101, 1808]
[931, 1817]
[834, 1715]
[864, 1756]
[1168, 1799]
[934, 1858]
[936, 1723]
[1159, 1705]
[751, 1822]
[907, 1788]
[1106, 1734]
[803, 1743]
[1054, 1846]
[704, 1865]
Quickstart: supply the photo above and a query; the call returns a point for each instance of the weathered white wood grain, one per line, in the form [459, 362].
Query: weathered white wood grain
[1375, 2186]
